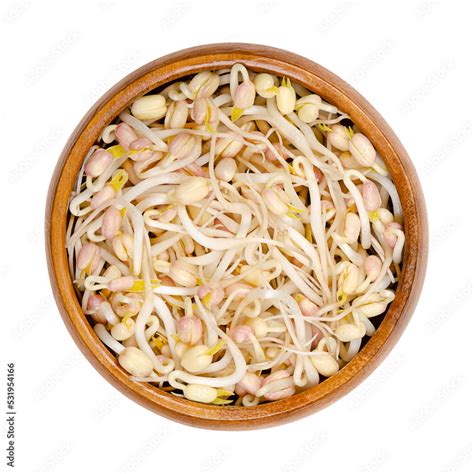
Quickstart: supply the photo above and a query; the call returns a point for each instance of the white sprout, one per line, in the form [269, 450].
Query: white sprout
[231, 238]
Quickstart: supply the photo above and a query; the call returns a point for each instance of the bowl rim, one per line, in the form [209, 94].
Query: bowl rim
[330, 87]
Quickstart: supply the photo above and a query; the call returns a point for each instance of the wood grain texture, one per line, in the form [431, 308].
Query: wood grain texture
[334, 90]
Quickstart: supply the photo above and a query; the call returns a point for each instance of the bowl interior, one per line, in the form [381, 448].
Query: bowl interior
[317, 79]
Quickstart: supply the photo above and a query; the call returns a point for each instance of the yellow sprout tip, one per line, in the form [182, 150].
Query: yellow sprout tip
[159, 342]
[207, 299]
[295, 209]
[209, 128]
[341, 297]
[293, 216]
[349, 132]
[298, 297]
[324, 128]
[373, 216]
[117, 151]
[119, 180]
[126, 320]
[236, 114]
[221, 401]
[138, 285]
[224, 393]
[215, 349]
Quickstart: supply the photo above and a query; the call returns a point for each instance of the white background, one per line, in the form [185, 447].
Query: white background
[412, 62]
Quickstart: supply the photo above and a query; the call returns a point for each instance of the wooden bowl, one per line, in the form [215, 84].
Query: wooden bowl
[332, 89]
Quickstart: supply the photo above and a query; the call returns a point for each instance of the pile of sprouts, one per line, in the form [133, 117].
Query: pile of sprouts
[231, 236]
